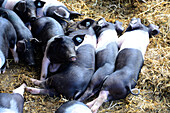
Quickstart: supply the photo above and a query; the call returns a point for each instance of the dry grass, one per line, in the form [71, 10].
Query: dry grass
[154, 79]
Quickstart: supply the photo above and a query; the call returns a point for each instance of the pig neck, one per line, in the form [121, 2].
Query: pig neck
[88, 39]
[9, 4]
[2, 59]
[137, 39]
[105, 38]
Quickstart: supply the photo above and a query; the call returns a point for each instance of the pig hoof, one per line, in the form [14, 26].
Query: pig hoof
[16, 60]
[2, 71]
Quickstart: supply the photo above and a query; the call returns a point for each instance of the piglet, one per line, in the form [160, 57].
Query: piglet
[57, 47]
[25, 40]
[8, 40]
[106, 52]
[73, 107]
[12, 103]
[55, 9]
[129, 61]
[25, 9]
[72, 78]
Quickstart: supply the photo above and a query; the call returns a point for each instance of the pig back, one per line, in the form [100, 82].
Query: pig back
[45, 28]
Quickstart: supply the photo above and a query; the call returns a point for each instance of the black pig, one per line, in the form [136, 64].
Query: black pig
[8, 40]
[12, 103]
[106, 52]
[122, 81]
[57, 47]
[73, 107]
[25, 9]
[73, 77]
[55, 9]
[25, 40]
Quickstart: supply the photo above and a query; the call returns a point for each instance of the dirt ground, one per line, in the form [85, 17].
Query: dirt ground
[154, 79]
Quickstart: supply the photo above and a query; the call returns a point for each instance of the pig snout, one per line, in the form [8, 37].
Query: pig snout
[33, 18]
[73, 58]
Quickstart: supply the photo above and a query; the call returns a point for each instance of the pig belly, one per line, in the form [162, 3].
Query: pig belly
[137, 39]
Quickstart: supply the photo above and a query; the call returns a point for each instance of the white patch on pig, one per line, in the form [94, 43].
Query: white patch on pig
[105, 38]
[137, 39]
[77, 108]
[20, 89]
[9, 4]
[42, 11]
[15, 54]
[46, 61]
[2, 59]
[88, 39]
[13, 108]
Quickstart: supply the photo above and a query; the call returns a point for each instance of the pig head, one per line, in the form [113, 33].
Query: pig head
[56, 10]
[26, 10]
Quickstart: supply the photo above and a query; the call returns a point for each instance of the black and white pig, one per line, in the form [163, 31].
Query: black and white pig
[12, 103]
[106, 52]
[25, 9]
[73, 78]
[25, 40]
[57, 47]
[8, 40]
[73, 107]
[129, 61]
[56, 10]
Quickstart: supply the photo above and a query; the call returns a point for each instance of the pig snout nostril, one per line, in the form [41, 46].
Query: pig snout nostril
[73, 58]
[32, 18]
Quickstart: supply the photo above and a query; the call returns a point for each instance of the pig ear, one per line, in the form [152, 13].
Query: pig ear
[21, 46]
[153, 30]
[34, 40]
[74, 14]
[62, 12]
[39, 4]
[102, 22]
[21, 6]
[119, 27]
[78, 39]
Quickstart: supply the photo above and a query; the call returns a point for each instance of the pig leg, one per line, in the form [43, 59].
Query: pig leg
[44, 69]
[20, 89]
[98, 101]
[36, 82]
[37, 91]
[15, 54]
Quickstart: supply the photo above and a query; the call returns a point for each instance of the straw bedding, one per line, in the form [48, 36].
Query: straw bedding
[154, 79]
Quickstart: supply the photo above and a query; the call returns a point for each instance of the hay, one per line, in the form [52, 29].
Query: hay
[154, 79]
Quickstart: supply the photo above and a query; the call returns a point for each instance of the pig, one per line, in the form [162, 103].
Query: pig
[25, 9]
[73, 107]
[57, 47]
[8, 40]
[25, 40]
[129, 61]
[106, 52]
[56, 10]
[72, 78]
[12, 103]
